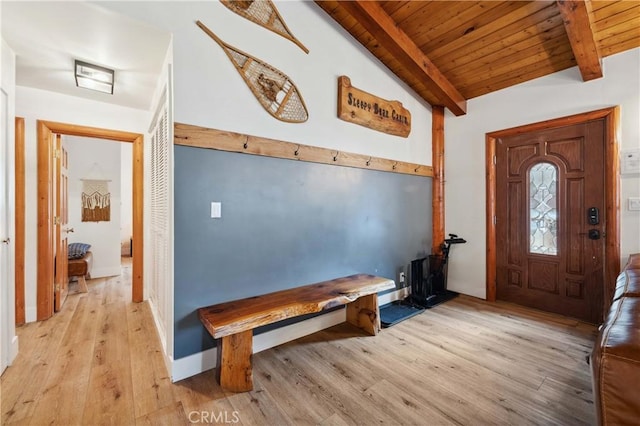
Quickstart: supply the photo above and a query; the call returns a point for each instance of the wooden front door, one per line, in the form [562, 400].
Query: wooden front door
[61, 187]
[550, 219]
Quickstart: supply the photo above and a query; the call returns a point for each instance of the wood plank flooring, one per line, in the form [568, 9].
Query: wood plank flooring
[466, 362]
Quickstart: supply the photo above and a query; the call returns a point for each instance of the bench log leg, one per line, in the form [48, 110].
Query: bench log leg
[364, 314]
[234, 362]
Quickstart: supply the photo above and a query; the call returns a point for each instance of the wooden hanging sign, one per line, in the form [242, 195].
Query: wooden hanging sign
[359, 107]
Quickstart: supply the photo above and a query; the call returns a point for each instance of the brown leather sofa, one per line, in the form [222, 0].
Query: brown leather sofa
[615, 360]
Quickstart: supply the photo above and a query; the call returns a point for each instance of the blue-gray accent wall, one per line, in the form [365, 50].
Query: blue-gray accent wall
[284, 224]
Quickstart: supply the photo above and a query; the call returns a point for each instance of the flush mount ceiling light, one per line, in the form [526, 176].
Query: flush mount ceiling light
[94, 77]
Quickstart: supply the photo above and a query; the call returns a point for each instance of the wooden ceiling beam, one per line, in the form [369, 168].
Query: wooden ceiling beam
[384, 29]
[577, 23]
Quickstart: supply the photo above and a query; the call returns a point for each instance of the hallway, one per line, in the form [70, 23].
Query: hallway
[96, 362]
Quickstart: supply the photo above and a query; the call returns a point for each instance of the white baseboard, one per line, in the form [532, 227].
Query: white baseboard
[161, 335]
[295, 331]
[13, 350]
[401, 294]
[107, 271]
[193, 364]
[197, 363]
[31, 314]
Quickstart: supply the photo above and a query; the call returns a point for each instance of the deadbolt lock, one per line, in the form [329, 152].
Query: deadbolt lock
[594, 234]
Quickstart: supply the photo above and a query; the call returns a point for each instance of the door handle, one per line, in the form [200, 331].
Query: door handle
[594, 234]
[68, 230]
[6, 241]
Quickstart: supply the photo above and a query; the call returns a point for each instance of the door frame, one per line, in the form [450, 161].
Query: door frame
[45, 206]
[611, 118]
[20, 218]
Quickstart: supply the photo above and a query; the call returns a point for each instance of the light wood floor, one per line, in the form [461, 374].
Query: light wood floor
[464, 362]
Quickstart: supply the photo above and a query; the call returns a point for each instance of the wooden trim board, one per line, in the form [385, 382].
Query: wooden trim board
[612, 201]
[44, 296]
[202, 137]
[491, 213]
[45, 211]
[20, 212]
[437, 153]
[138, 219]
[611, 117]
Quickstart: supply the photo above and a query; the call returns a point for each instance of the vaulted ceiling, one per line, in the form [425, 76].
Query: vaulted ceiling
[451, 51]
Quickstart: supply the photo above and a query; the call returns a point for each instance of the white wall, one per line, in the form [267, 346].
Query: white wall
[557, 95]
[96, 159]
[35, 104]
[8, 338]
[209, 91]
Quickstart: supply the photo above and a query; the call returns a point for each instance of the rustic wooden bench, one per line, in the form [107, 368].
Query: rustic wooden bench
[233, 322]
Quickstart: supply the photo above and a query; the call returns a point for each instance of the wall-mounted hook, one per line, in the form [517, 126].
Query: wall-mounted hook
[335, 157]
[394, 165]
[296, 151]
[246, 143]
[416, 169]
[368, 161]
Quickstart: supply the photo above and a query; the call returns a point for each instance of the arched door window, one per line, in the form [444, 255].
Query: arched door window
[543, 211]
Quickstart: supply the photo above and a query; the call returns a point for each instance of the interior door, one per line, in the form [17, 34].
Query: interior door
[5, 278]
[550, 220]
[61, 186]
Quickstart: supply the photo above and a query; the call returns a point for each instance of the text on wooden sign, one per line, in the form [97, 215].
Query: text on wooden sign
[359, 107]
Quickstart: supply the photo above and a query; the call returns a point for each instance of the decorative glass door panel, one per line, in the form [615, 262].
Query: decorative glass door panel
[543, 211]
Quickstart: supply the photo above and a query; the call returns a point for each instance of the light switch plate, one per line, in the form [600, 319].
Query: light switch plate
[634, 203]
[630, 162]
[216, 210]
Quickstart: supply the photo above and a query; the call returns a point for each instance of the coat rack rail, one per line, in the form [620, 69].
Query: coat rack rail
[202, 137]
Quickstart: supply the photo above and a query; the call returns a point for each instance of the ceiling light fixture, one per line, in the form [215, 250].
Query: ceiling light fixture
[94, 77]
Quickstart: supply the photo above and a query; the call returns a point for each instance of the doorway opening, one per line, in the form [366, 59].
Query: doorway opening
[99, 211]
[611, 231]
[46, 227]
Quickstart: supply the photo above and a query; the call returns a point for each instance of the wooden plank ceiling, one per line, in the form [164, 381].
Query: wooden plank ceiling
[451, 51]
